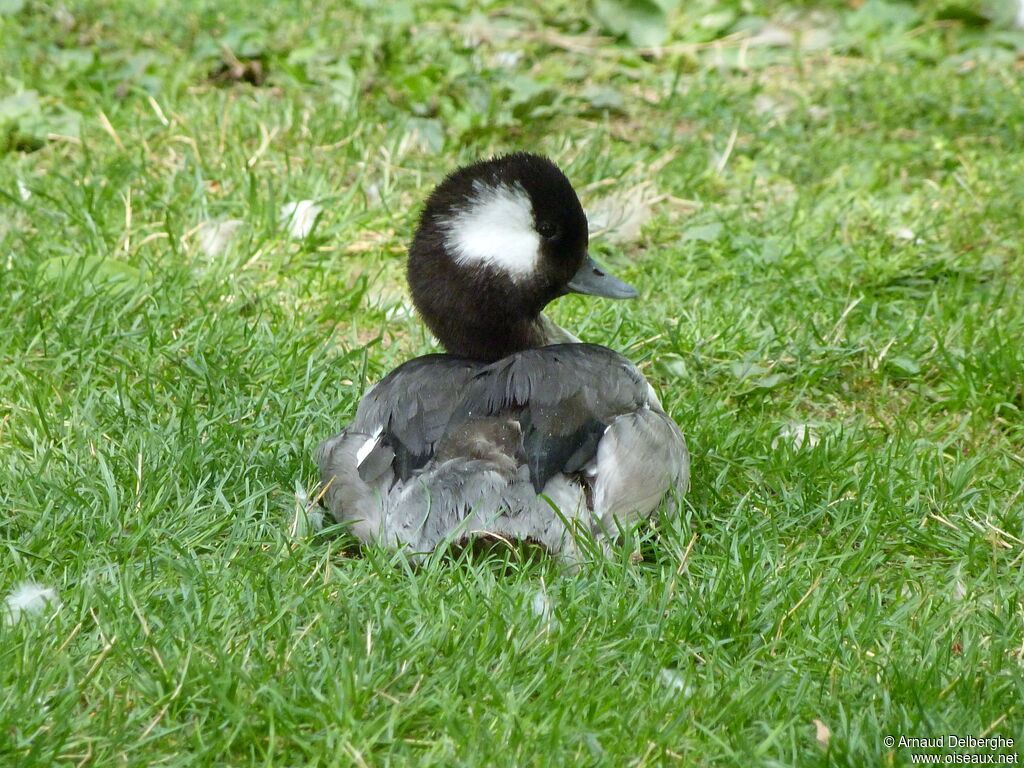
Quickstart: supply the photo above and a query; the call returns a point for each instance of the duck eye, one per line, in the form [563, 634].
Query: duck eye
[546, 230]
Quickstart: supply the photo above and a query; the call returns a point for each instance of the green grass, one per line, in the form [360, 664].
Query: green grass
[836, 249]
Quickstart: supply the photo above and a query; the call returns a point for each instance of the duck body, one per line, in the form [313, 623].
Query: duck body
[520, 432]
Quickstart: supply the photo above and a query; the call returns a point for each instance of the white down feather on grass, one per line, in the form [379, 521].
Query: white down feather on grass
[28, 599]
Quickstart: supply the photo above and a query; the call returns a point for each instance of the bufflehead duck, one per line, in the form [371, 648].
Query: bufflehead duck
[521, 430]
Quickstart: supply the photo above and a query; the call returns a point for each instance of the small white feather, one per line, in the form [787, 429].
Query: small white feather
[797, 435]
[27, 599]
[673, 679]
[496, 230]
[300, 216]
[540, 606]
[214, 237]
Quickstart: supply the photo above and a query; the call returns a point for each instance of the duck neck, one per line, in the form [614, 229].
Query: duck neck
[487, 338]
[491, 339]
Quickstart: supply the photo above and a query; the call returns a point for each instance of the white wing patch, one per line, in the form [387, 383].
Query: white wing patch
[496, 230]
[368, 446]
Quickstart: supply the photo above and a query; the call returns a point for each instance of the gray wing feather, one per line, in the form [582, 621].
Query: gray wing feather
[348, 496]
[413, 405]
[464, 499]
[641, 457]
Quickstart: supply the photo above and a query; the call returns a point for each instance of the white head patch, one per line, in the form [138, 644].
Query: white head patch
[495, 229]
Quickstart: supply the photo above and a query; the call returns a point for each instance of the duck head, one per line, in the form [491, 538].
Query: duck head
[497, 241]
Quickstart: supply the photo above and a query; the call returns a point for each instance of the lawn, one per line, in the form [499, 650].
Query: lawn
[822, 208]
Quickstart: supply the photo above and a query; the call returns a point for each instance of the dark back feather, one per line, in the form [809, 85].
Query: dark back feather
[563, 397]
